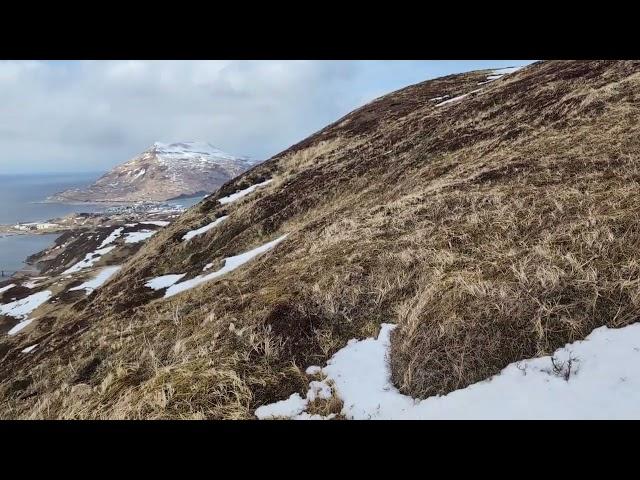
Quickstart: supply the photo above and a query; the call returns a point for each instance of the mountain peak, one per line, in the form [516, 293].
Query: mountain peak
[164, 171]
[189, 150]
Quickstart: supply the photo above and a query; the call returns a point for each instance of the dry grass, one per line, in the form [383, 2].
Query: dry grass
[490, 230]
[517, 277]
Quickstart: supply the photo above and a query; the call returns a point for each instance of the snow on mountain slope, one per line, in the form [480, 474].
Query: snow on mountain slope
[162, 172]
[595, 378]
[195, 150]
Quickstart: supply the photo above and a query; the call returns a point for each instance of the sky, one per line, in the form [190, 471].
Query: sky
[88, 116]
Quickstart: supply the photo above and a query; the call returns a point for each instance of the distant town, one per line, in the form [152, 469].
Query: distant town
[134, 212]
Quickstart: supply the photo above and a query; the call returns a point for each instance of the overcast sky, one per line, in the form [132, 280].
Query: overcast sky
[62, 116]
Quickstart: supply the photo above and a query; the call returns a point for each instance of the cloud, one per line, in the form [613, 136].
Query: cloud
[91, 115]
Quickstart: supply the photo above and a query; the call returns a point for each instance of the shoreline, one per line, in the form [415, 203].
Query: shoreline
[15, 233]
[25, 231]
[117, 202]
[26, 267]
[60, 225]
[117, 211]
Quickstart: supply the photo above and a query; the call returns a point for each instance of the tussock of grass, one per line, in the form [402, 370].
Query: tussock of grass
[519, 277]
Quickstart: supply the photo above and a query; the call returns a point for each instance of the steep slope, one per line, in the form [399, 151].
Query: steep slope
[163, 172]
[492, 218]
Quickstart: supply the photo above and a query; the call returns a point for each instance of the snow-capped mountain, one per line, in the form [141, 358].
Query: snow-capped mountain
[162, 172]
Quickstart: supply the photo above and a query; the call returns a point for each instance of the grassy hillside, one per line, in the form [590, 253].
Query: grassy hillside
[490, 228]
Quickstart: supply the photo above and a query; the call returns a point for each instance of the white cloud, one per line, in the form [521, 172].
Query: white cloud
[92, 115]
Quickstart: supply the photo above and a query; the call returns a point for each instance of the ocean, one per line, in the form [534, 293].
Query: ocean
[19, 197]
[19, 194]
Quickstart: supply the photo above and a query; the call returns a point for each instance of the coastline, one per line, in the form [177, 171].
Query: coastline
[59, 201]
[84, 215]
[75, 223]
[15, 233]
[18, 263]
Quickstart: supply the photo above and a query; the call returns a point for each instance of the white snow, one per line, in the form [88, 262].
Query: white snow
[437, 99]
[140, 173]
[17, 328]
[99, 280]
[140, 236]
[7, 287]
[30, 349]
[130, 224]
[230, 264]
[189, 235]
[315, 416]
[455, 99]
[201, 151]
[241, 193]
[158, 223]
[602, 382]
[34, 282]
[500, 72]
[506, 70]
[290, 407]
[318, 390]
[294, 406]
[164, 281]
[111, 238]
[22, 308]
[89, 260]
[313, 370]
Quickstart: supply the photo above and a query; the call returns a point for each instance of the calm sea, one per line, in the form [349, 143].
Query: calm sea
[19, 197]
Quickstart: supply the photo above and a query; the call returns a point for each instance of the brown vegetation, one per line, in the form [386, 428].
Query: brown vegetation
[491, 229]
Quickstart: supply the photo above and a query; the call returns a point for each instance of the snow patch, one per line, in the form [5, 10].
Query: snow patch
[164, 281]
[7, 287]
[499, 73]
[22, 308]
[139, 174]
[89, 260]
[230, 264]
[98, 280]
[455, 99]
[140, 236]
[294, 406]
[315, 416]
[19, 327]
[111, 238]
[189, 235]
[506, 70]
[241, 193]
[318, 390]
[34, 282]
[288, 408]
[30, 349]
[597, 378]
[313, 370]
[192, 150]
